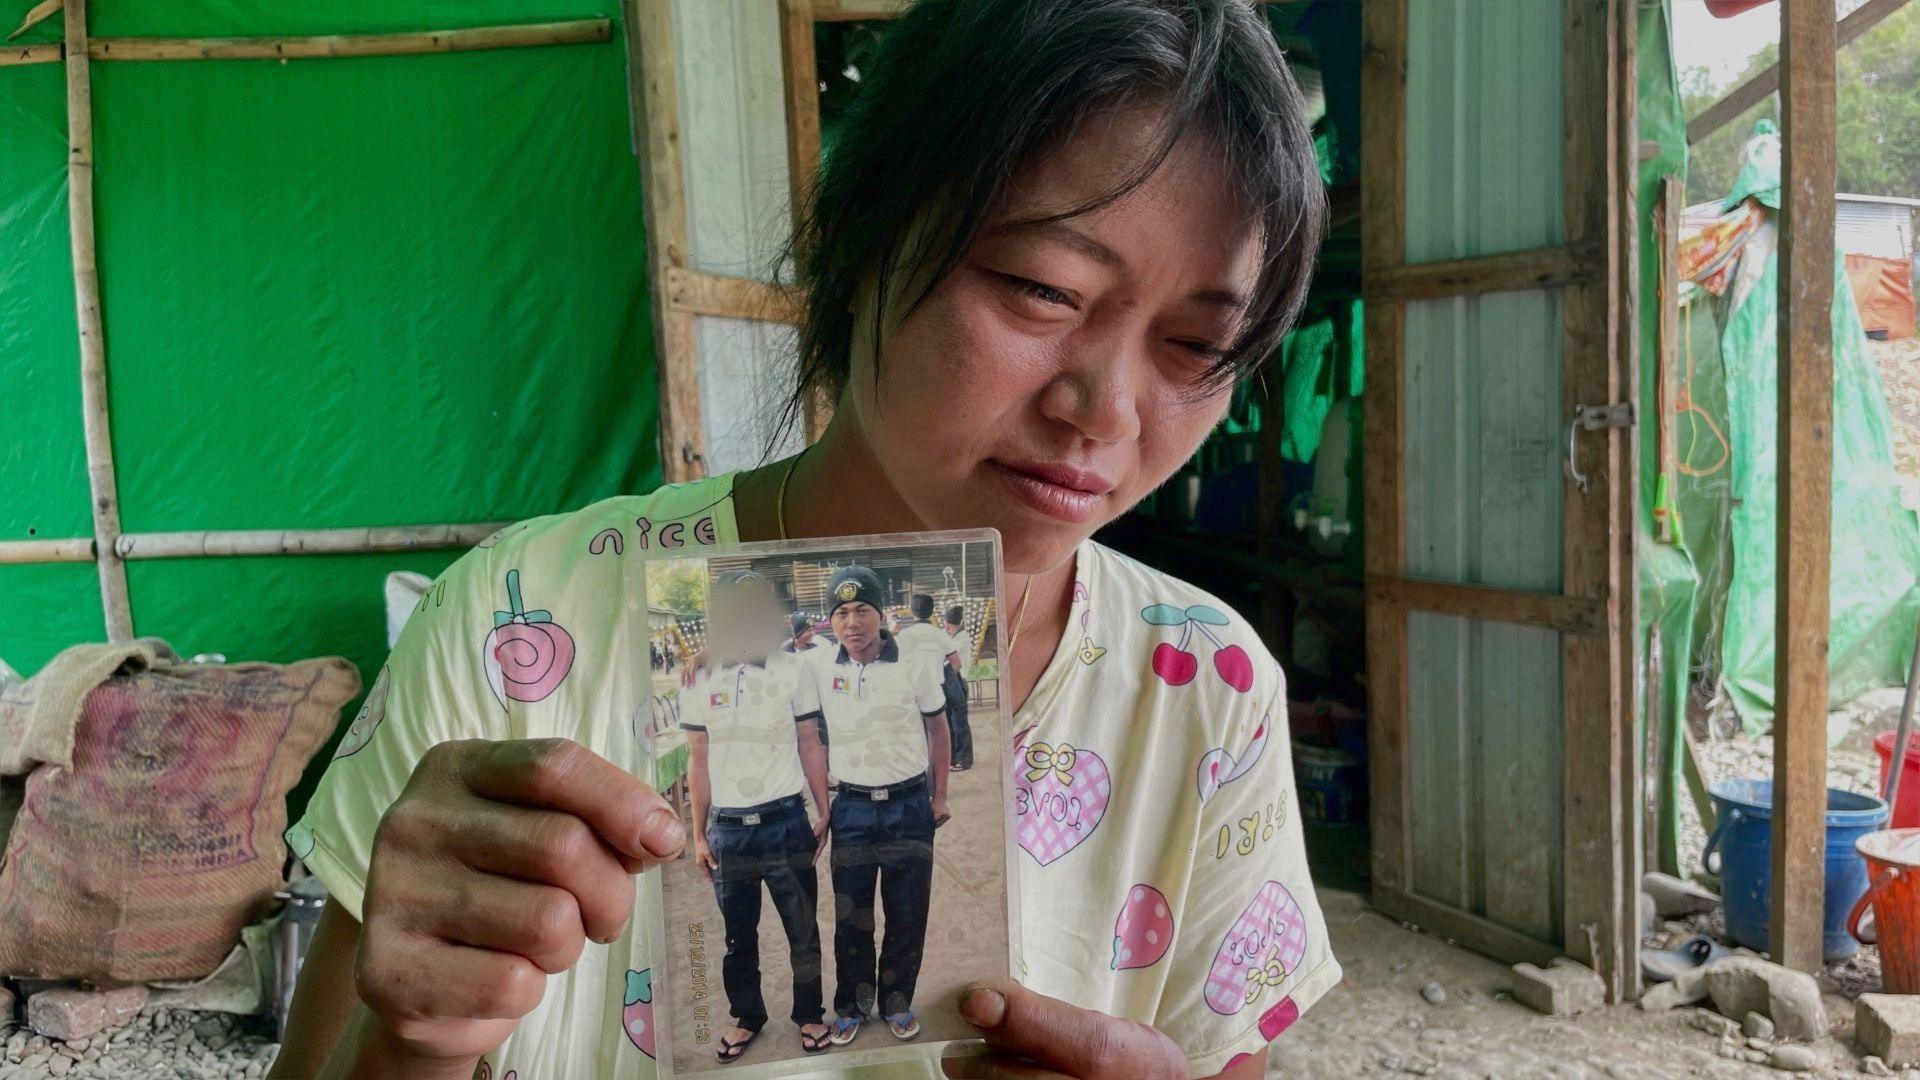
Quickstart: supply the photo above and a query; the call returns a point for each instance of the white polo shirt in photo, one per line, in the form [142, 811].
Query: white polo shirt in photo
[875, 713]
[747, 712]
[963, 645]
[926, 641]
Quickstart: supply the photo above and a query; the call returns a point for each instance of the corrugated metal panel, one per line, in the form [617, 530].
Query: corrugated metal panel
[1883, 230]
[1482, 392]
[1483, 127]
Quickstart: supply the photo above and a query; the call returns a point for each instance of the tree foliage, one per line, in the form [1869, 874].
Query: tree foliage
[1877, 121]
[679, 585]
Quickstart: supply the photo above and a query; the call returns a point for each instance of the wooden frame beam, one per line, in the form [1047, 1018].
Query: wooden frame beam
[1547, 267]
[1566, 614]
[1600, 802]
[653, 102]
[324, 46]
[1755, 90]
[1383, 245]
[1803, 517]
[798, 62]
[1481, 935]
[697, 292]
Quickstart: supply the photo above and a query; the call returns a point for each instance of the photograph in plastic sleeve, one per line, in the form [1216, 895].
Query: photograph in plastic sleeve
[827, 719]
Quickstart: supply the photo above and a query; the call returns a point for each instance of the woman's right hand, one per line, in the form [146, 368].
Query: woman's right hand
[490, 872]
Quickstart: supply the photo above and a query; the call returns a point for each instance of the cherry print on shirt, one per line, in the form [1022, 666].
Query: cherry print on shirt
[526, 654]
[604, 539]
[636, 1016]
[1218, 768]
[1265, 945]
[1144, 929]
[1278, 1019]
[1176, 666]
[1060, 793]
[372, 711]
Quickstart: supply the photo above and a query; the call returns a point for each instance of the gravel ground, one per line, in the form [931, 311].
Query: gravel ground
[1900, 372]
[161, 1043]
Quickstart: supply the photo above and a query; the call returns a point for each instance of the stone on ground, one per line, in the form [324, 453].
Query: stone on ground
[1791, 999]
[1793, 1058]
[77, 1014]
[1563, 988]
[1672, 896]
[1888, 1025]
[1686, 988]
[1756, 1026]
[1873, 1066]
[1712, 1022]
[1434, 993]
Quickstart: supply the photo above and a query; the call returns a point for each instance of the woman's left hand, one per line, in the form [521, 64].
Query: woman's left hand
[1033, 1036]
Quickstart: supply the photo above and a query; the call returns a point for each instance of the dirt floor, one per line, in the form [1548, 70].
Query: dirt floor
[959, 949]
[1378, 1023]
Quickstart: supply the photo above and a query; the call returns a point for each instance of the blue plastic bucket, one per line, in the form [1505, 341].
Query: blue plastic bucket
[1744, 838]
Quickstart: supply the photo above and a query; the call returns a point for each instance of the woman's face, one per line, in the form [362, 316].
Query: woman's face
[1052, 379]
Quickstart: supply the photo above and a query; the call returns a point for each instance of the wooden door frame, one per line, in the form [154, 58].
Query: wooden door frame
[1596, 270]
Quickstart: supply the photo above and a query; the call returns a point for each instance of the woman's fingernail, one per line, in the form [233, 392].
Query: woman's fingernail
[665, 831]
[983, 1008]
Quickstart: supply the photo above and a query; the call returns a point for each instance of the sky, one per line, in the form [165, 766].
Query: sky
[1723, 45]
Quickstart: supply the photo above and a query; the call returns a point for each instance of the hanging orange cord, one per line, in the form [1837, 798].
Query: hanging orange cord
[1683, 404]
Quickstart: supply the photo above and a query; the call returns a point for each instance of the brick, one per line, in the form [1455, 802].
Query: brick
[1888, 1025]
[78, 1014]
[1564, 988]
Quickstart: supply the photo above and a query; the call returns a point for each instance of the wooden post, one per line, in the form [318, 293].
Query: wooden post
[96, 430]
[1673, 199]
[798, 63]
[1383, 246]
[654, 104]
[1803, 519]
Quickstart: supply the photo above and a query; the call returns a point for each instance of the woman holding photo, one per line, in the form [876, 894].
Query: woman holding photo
[1059, 232]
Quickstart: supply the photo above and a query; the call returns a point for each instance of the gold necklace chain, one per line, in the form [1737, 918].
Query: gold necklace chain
[1019, 615]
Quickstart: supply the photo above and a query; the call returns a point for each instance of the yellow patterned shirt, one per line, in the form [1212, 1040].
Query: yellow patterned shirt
[1160, 871]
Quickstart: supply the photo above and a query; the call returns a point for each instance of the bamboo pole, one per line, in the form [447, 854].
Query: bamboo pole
[326, 46]
[16, 55]
[96, 429]
[27, 552]
[350, 541]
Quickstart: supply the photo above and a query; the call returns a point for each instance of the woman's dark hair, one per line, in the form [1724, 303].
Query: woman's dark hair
[961, 94]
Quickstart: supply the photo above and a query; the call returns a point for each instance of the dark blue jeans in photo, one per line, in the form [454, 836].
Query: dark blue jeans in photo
[888, 843]
[776, 853]
[960, 731]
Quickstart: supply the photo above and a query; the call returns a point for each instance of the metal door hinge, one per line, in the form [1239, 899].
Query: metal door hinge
[1592, 418]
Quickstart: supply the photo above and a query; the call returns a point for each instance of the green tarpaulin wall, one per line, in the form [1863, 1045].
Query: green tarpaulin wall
[340, 292]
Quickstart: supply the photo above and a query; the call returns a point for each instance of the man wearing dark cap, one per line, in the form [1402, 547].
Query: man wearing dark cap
[889, 751]
[802, 638]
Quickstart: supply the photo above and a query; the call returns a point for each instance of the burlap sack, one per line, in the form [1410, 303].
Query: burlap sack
[147, 856]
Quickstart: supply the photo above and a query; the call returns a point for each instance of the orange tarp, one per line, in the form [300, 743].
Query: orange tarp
[1883, 289]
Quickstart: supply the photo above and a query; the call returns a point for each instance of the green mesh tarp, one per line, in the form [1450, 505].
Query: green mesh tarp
[341, 292]
[1667, 582]
[1875, 592]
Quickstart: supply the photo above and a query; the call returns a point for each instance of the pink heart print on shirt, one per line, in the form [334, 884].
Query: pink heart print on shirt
[1262, 949]
[1218, 767]
[526, 654]
[1060, 793]
[1176, 666]
[1144, 930]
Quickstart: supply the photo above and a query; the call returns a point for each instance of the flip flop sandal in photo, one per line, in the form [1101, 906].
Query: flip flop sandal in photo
[731, 1051]
[845, 1029]
[904, 1025]
[814, 1044]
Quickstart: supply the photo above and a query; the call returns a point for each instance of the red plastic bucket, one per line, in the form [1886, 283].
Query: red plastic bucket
[1907, 814]
[1893, 864]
